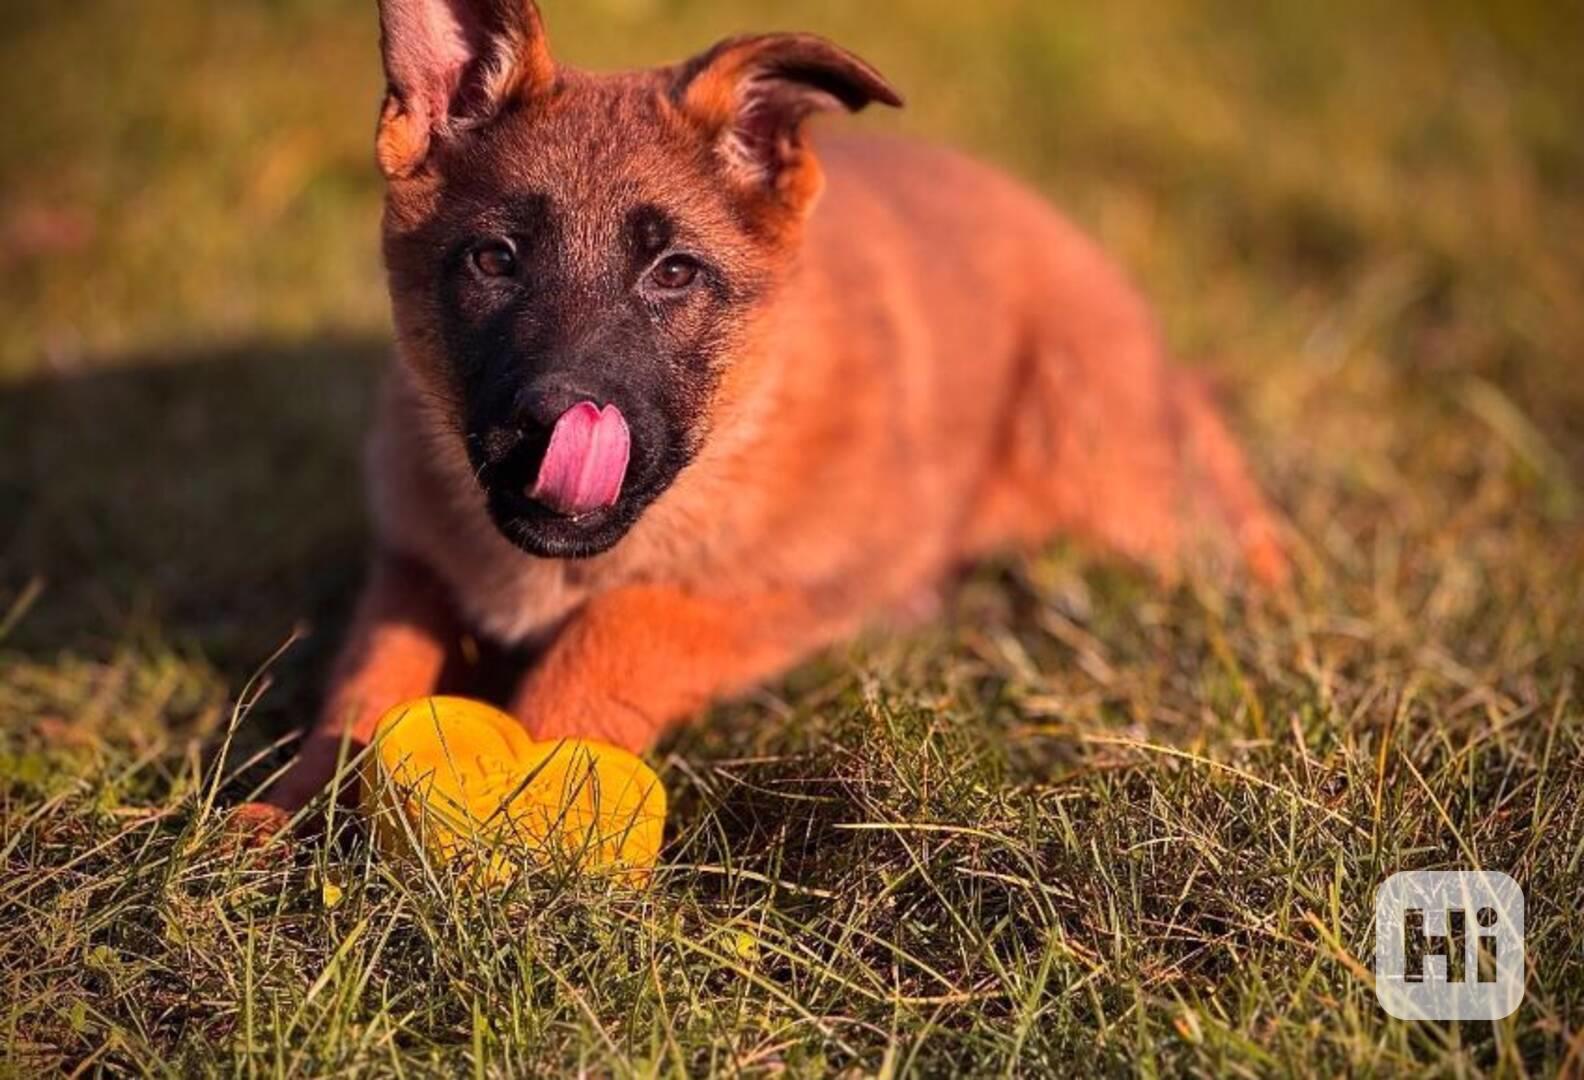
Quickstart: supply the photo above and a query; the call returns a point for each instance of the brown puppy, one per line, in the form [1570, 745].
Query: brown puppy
[680, 401]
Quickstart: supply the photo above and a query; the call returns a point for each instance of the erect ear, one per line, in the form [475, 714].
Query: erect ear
[451, 65]
[753, 96]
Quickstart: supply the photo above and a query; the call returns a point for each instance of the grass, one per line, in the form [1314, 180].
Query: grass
[1082, 825]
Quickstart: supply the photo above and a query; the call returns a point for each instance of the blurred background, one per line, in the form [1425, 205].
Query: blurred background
[1365, 221]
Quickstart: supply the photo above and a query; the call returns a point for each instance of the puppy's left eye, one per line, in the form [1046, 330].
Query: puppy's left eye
[674, 273]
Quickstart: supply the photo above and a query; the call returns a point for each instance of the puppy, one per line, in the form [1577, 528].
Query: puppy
[679, 399]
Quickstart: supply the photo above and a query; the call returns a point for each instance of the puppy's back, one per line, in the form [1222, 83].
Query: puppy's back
[935, 306]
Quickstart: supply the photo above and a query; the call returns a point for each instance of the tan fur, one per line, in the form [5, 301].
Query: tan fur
[942, 367]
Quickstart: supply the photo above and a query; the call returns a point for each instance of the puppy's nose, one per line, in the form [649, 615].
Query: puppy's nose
[545, 401]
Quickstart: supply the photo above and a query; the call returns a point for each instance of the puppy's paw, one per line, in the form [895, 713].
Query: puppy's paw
[258, 829]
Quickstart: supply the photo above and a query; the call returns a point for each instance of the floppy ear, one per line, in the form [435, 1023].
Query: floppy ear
[753, 96]
[451, 65]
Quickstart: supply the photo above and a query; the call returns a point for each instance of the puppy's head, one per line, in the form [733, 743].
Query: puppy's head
[575, 260]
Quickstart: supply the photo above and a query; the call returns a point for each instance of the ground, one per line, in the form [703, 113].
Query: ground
[1083, 824]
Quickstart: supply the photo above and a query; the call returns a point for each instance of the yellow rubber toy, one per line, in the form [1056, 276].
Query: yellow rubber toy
[465, 783]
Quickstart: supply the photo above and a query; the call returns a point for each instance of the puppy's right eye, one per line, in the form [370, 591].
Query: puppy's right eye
[497, 258]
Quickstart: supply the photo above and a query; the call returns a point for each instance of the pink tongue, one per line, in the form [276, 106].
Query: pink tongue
[587, 461]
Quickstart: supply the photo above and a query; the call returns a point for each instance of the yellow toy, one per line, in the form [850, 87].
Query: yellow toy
[464, 782]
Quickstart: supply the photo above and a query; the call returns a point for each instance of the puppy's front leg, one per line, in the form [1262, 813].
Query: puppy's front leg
[639, 659]
[395, 651]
